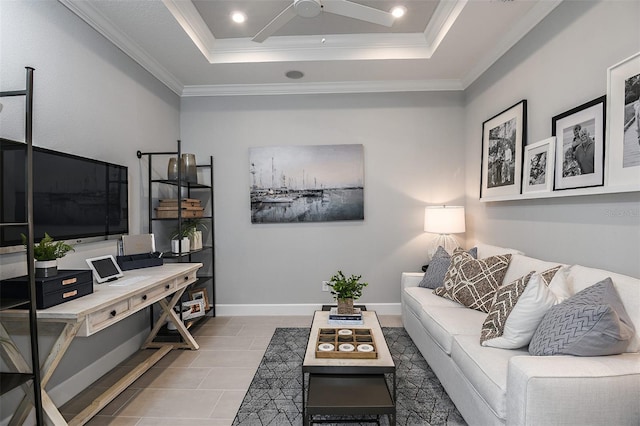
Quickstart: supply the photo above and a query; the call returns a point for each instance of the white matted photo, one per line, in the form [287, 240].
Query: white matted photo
[503, 138]
[538, 166]
[196, 309]
[579, 153]
[623, 136]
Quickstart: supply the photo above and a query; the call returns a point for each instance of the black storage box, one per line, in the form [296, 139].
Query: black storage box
[137, 261]
[67, 285]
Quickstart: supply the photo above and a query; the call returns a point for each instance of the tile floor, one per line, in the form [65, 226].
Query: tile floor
[194, 387]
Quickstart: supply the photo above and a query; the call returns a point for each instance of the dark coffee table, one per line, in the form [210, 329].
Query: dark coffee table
[344, 386]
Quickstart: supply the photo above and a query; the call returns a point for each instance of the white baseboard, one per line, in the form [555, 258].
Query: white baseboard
[225, 310]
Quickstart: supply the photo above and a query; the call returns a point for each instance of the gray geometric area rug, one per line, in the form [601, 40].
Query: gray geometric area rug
[274, 397]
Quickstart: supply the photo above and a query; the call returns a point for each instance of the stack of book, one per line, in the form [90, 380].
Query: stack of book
[168, 209]
[345, 319]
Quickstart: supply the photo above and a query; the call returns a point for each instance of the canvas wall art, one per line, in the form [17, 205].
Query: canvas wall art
[316, 183]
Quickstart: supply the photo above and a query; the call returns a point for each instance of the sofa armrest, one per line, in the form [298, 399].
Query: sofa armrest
[411, 279]
[572, 390]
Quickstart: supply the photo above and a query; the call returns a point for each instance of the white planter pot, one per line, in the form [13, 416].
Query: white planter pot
[196, 240]
[46, 268]
[175, 245]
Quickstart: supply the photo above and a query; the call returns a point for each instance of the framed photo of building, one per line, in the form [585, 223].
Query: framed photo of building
[623, 128]
[503, 139]
[538, 166]
[579, 153]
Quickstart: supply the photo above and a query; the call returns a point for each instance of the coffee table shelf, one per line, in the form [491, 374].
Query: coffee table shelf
[339, 394]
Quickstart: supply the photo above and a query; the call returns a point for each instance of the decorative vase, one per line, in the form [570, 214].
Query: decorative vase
[345, 306]
[46, 268]
[189, 170]
[195, 240]
[172, 169]
[175, 246]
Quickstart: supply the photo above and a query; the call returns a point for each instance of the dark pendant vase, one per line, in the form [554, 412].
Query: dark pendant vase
[188, 168]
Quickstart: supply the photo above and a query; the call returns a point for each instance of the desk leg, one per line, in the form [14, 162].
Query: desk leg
[14, 358]
[167, 311]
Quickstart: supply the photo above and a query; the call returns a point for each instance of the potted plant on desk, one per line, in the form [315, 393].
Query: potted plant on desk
[46, 254]
[346, 290]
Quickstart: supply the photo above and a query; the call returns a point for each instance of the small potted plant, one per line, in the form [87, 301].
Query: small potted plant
[346, 290]
[46, 254]
[195, 228]
[190, 234]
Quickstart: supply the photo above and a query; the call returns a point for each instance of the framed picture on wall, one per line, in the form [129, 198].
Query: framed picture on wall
[579, 153]
[623, 139]
[503, 139]
[538, 166]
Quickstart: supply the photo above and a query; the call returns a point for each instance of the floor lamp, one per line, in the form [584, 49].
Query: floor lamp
[444, 221]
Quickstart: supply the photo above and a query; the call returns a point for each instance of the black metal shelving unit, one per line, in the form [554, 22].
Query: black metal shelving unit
[206, 255]
[12, 380]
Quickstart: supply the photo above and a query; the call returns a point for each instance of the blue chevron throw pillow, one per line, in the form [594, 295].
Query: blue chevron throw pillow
[592, 322]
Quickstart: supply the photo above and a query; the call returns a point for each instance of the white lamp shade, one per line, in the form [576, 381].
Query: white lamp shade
[444, 219]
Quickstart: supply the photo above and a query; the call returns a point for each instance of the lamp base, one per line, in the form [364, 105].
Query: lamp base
[447, 241]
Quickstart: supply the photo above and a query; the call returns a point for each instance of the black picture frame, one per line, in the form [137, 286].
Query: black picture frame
[503, 139]
[580, 145]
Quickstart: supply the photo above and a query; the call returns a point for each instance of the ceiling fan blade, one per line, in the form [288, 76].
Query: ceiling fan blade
[358, 11]
[278, 22]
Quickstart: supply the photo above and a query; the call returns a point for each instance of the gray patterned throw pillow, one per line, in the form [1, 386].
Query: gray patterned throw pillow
[440, 261]
[592, 322]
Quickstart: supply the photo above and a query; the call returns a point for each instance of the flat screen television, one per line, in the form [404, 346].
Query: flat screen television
[74, 198]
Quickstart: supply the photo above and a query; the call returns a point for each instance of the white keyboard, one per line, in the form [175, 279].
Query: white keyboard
[121, 282]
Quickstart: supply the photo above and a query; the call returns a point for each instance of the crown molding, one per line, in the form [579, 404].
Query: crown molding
[323, 88]
[192, 23]
[88, 13]
[443, 19]
[537, 13]
[313, 48]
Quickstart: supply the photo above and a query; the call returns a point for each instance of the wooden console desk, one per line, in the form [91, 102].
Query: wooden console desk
[85, 316]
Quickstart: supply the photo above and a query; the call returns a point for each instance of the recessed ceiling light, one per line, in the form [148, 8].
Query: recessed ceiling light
[294, 74]
[398, 11]
[238, 17]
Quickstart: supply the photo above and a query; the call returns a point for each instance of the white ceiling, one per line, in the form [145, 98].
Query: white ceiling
[193, 47]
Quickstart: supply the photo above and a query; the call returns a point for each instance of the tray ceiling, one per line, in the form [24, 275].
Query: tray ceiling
[194, 48]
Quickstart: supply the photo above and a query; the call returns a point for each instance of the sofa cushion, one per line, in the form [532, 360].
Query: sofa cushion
[434, 276]
[487, 250]
[486, 369]
[593, 322]
[521, 265]
[473, 282]
[519, 314]
[443, 323]
[418, 298]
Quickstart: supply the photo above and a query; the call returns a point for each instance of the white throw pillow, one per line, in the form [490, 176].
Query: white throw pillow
[561, 284]
[526, 315]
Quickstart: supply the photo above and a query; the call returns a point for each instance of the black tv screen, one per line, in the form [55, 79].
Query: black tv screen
[73, 197]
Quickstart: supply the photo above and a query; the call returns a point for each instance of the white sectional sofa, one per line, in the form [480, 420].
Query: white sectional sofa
[492, 386]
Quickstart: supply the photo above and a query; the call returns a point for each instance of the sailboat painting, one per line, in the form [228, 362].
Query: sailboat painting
[306, 183]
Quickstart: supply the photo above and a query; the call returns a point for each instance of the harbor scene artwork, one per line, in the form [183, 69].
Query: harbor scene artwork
[314, 183]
